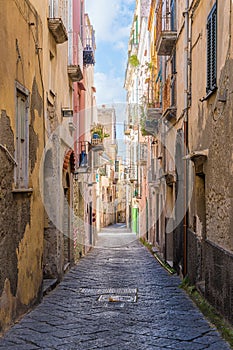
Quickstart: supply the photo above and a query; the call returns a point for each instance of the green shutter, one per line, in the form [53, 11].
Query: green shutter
[136, 31]
[212, 50]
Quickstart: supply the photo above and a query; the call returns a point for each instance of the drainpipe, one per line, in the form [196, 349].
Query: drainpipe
[186, 98]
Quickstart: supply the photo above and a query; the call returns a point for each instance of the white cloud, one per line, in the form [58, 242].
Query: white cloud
[109, 89]
[110, 18]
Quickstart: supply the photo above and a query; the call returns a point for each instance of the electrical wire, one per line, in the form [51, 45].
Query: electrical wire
[8, 154]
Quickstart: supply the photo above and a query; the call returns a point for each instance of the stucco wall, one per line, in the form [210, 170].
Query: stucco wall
[210, 127]
[22, 215]
[219, 191]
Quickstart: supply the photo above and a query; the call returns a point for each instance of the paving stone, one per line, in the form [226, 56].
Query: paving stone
[20, 347]
[71, 317]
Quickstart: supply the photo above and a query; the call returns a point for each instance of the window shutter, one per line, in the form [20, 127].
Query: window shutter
[136, 31]
[212, 50]
[22, 139]
[173, 14]
[208, 86]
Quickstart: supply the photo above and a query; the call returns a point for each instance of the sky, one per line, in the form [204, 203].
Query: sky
[112, 20]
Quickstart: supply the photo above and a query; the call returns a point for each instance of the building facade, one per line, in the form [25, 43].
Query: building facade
[22, 144]
[189, 161]
[107, 160]
[85, 115]
[39, 114]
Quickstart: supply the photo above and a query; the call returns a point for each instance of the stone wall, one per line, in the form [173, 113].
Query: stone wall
[219, 279]
[194, 258]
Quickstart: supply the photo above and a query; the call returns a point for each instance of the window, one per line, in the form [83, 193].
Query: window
[51, 9]
[173, 80]
[135, 33]
[173, 15]
[212, 50]
[22, 139]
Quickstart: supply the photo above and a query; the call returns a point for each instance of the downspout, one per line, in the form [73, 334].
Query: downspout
[186, 101]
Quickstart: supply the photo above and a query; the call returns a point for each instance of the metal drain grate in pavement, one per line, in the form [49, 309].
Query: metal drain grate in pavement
[118, 298]
[117, 291]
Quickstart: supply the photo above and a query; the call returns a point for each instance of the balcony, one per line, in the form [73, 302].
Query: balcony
[88, 56]
[142, 153]
[84, 159]
[151, 121]
[126, 129]
[58, 30]
[170, 114]
[151, 174]
[97, 144]
[97, 137]
[75, 73]
[165, 27]
[133, 173]
[169, 99]
[166, 43]
[89, 45]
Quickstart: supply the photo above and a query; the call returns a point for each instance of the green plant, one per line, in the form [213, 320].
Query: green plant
[163, 263]
[133, 60]
[99, 130]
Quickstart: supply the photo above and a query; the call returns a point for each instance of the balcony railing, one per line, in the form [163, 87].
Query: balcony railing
[89, 45]
[142, 153]
[151, 121]
[165, 28]
[84, 159]
[126, 129]
[169, 99]
[133, 173]
[97, 144]
[151, 177]
[88, 56]
[58, 30]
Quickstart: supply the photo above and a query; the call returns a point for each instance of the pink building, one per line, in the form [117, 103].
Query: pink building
[83, 104]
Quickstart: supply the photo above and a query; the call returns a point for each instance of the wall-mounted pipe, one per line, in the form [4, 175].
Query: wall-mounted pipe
[186, 102]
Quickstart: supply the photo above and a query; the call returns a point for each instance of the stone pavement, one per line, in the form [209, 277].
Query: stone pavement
[117, 298]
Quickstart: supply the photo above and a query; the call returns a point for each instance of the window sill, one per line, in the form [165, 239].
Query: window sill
[27, 191]
[210, 93]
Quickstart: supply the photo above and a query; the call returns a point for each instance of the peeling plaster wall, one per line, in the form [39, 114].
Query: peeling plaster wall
[22, 213]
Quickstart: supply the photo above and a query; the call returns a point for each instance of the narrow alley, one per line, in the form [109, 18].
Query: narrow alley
[117, 297]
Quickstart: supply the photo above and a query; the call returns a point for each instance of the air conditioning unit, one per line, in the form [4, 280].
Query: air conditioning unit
[66, 112]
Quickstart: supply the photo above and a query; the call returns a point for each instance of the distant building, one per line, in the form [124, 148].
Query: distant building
[107, 208]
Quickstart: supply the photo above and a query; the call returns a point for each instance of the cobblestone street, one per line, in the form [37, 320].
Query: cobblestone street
[117, 297]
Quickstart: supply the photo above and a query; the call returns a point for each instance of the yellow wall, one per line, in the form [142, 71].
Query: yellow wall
[22, 232]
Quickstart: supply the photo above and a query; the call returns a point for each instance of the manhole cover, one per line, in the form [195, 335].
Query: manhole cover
[118, 298]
